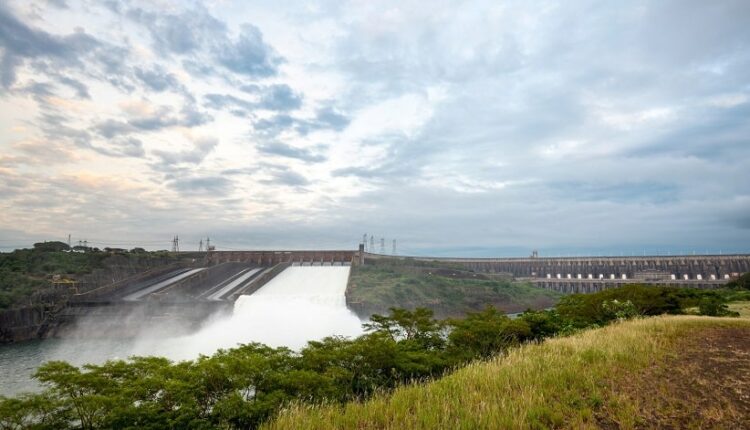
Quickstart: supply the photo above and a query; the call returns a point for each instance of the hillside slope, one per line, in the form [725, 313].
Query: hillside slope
[605, 378]
[447, 290]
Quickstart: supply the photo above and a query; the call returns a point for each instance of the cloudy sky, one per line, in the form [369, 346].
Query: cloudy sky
[464, 128]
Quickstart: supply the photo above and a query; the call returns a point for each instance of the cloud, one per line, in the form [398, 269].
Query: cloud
[157, 79]
[650, 192]
[82, 91]
[130, 147]
[22, 44]
[196, 34]
[477, 129]
[156, 119]
[202, 185]
[326, 118]
[330, 118]
[249, 55]
[276, 124]
[195, 155]
[180, 33]
[284, 150]
[232, 104]
[284, 176]
[279, 97]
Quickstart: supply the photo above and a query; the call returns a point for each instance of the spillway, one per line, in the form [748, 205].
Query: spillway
[234, 284]
[160, 285]
[300, 304]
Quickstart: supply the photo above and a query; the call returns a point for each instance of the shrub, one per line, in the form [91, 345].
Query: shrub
[714, 307]
[615, 309]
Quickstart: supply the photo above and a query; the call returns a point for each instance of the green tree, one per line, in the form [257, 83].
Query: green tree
[715, 307]
[54, 246]
[483, 334]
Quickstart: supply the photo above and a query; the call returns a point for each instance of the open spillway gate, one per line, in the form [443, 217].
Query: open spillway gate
[190, 293]
[220, 277]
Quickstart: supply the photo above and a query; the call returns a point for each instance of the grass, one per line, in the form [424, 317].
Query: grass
[563, 382]
[447, 290]
[742, 307]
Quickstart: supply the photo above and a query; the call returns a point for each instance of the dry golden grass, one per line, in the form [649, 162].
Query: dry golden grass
[562, 382]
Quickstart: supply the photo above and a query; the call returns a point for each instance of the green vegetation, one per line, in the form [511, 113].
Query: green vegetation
[25, 274]
[585, 310]
[741, 308]
[741, 283]
[561, 383]
[448, 290]
[246, 386]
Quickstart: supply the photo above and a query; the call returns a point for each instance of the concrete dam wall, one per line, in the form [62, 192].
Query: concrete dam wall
[189, 293]
[590, 274]
[192, 292]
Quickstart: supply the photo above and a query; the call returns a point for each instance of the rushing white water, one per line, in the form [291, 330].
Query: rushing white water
[300, 304]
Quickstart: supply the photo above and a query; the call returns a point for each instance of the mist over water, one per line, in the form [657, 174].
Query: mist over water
[300, 304]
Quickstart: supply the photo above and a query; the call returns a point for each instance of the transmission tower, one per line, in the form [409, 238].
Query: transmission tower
[200, 246]
[382, 245]
[176, 244]
[364, 240]
[372, 243]
[393, 251]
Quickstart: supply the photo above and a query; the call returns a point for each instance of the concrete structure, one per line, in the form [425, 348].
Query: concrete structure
[213, 277]
[589, 274]
[270, 258]
[195, 290]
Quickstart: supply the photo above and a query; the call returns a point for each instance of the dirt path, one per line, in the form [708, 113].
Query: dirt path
[704, 384]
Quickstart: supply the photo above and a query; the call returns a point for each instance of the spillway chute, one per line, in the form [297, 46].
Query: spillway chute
[300, 304]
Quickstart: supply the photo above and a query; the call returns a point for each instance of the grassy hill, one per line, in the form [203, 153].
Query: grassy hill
[663, 372]
[446, 289]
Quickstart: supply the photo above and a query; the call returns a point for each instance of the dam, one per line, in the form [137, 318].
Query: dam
[300, 303]
[189, 293]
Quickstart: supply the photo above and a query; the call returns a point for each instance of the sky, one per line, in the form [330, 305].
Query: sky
[479, 128]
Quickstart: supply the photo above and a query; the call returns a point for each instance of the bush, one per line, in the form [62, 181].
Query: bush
[615, 309]
[483, 334]
[584, 310]
[714, 307]
[741, 283]
[544, 324]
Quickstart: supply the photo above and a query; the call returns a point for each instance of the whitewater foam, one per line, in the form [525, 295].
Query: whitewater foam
[300, 304]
